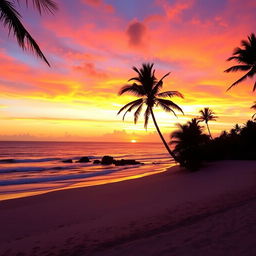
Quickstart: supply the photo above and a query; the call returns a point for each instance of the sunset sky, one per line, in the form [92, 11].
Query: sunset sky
[92, 46]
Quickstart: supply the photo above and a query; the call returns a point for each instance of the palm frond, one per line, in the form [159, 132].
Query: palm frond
[133, 89]
[49, 6]
[11, 19]
[253, 106]
[146, 117]
[160, 82]
[134, 105]
[137, 79]
[245, 43]
[166, 107]
[137, 113]
[170, 94]
[129, 104]
[237, 50]
[248, 74]
[237, 58]
[238, 68]
[169, 104]
[136, 70]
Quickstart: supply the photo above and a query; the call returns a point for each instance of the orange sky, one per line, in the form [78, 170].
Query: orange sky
[92, 45]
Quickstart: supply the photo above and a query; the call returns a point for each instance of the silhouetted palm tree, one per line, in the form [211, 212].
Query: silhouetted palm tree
[187, 134]
[253, 107]
[236, 130]
[187, 140]
[148, 88]
[206, 116]
[246, 57]
[11, 18]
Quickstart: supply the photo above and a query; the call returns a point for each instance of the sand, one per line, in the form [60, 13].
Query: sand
[210, 212]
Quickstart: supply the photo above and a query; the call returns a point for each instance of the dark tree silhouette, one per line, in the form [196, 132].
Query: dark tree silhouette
[206, 116]
[187, 140]
[148, 88]
[11, 19]
[253, 107]
[246, 57]
[236, 130]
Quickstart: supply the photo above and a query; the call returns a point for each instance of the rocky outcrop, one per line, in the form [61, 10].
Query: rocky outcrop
[126, 162]
[7, 161]
[107, 160]
[67, 161]
[84, 159]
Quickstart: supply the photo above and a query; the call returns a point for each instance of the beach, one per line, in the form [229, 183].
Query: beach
[209, 212]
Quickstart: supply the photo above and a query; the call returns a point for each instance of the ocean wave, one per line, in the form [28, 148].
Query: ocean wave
[41, 160]
[59, 178]
[23, 169]
[30, 160]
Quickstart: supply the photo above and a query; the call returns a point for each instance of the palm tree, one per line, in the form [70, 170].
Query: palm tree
[188, 135]
[206, 116]
[246, 57]
[148, 88]
[187, 140]
[236, 130]
[253, 107]
[11, 19]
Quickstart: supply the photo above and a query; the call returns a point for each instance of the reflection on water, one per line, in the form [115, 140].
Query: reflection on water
[30, 168]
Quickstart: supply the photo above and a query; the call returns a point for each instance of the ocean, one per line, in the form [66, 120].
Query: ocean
[31, 168]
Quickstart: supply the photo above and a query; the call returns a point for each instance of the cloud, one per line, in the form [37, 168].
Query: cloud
[90, 70]
[91, 56]
[99, 4]
[136, 32]
[174, 10]
[60, 119]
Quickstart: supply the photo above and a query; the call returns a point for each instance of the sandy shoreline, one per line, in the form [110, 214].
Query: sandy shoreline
[131, 216]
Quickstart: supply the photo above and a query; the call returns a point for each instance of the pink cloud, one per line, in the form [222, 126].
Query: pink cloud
[90, 70]
[99, 4]
[136, 33]
[173, 11]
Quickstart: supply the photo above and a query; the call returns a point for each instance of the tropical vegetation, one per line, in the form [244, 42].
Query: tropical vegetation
[187, 140]
[194, 147]
[11, 18]
[253, 107]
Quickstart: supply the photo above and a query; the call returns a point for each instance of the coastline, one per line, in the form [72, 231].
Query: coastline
[32, 168]
[94, 220]
[89, 182]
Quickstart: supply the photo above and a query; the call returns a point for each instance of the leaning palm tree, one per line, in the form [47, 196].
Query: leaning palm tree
[253, 107]
[11, 19]
[206, 116]
[148, 88]
[246, 57]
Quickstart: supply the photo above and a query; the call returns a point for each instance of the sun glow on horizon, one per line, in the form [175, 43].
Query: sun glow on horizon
[133, 141]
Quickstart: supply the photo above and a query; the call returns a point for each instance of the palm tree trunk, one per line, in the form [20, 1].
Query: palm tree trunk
[161, 136]
[209, 130]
